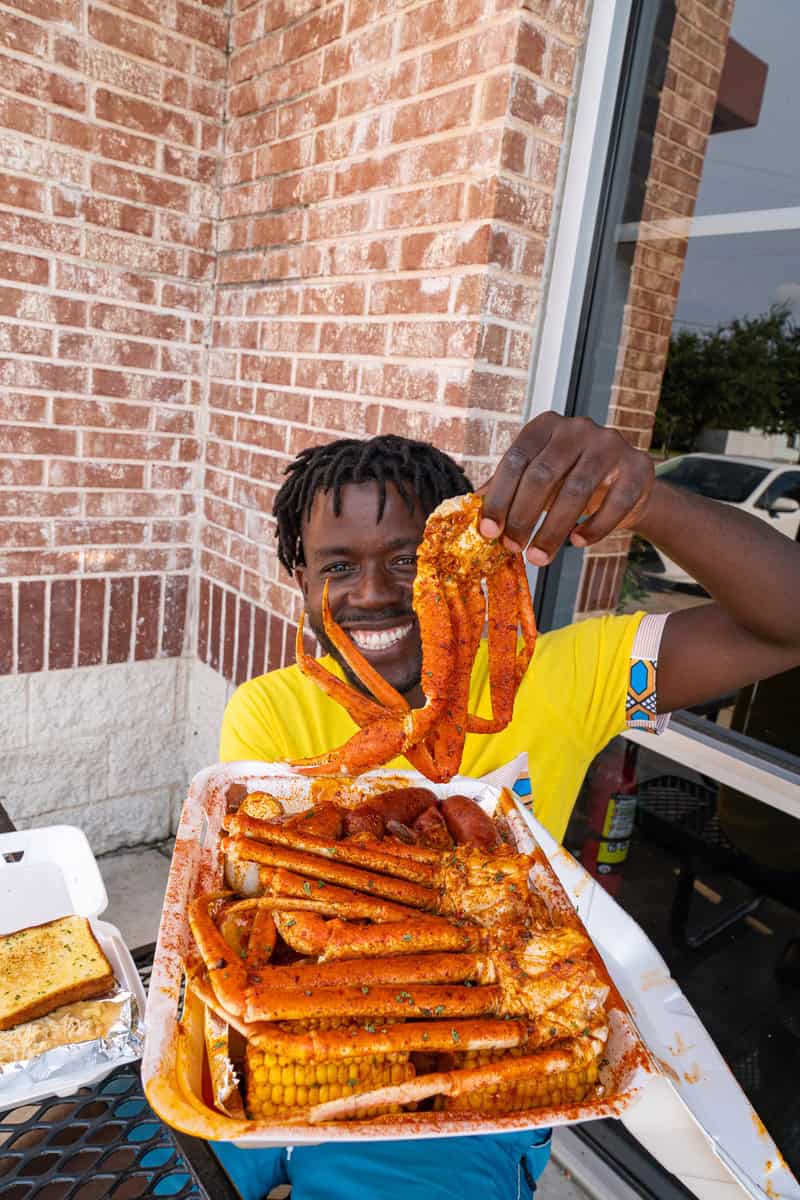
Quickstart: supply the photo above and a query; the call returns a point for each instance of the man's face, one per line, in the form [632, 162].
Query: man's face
[371, 567]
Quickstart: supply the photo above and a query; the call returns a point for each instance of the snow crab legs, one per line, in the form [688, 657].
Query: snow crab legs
[355, 1004]
[454, 562]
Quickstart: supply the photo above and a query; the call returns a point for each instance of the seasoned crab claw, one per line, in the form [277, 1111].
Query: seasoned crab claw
[454, 562]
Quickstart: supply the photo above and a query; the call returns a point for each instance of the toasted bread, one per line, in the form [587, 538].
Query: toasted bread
[46, 966]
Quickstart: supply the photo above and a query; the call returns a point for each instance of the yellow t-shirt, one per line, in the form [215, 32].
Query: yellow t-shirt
[570, 703]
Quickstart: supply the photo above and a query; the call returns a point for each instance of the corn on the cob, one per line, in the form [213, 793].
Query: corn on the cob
[537, 1091]
[281, 1086]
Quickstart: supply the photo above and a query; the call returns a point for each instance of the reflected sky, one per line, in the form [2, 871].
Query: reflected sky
[743, 274]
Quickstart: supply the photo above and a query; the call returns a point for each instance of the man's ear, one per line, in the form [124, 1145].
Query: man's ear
[300, 580]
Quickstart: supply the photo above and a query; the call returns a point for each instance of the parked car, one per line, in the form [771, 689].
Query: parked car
[768, 490]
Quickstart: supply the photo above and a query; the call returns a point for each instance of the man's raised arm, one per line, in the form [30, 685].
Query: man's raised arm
[570, 467]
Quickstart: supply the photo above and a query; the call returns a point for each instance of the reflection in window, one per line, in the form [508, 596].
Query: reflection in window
[785, 487]
[713, 477]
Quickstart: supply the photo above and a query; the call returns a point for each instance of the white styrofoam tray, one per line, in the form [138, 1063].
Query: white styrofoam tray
[173, 1055]
[46, 874]
[692, 1116]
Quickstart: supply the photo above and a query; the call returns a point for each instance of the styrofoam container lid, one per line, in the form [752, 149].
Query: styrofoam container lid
[46, 874]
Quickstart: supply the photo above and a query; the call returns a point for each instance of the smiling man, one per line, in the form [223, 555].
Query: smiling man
[352, 514]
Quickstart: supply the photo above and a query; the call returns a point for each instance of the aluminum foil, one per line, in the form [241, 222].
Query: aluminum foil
[64, 1069]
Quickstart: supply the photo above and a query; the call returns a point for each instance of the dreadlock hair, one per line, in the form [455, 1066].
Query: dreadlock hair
[421, 473]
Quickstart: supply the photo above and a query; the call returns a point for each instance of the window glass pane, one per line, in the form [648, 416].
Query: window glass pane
[710, 875]
[716, 478]
[692, 350]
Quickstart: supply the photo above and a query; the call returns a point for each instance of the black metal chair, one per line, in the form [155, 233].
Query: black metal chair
[681, 815]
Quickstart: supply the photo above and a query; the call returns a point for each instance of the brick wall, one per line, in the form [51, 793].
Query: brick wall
[386, 203]
[688, 99]
[110, 137]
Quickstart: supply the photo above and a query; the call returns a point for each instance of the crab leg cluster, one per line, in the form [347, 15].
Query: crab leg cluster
[454, 564]
[368, 980]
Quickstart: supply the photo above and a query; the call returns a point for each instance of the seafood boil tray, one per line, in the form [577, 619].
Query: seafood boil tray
[677, 1092]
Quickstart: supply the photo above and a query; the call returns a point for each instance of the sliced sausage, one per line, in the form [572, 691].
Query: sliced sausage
[468, 823]
[403, 804]
[397, 829]
[234, 795]
[326, 820]
[363, 820]
[432, 831]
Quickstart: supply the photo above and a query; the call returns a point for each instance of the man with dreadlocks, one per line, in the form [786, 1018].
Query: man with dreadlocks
[352, 513]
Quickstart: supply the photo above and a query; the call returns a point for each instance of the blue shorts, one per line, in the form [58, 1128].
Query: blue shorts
[504, 1166]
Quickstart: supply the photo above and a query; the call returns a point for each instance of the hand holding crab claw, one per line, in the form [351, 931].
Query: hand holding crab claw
[586, 480]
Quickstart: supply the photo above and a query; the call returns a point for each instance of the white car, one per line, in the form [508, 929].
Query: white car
[767, 490]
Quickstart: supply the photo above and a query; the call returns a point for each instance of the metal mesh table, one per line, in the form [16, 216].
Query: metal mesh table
[104, 1141]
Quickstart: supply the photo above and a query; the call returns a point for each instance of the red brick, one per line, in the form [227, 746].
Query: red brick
[176, 591]
[98, 533]
[6, 629]
[275, 652]
[46, 503]
[370, 91]
[63, 606]
[38, 84]
[21, 472]
[316, 31]
[243, 625]
[99, 281]
[120, 619]
[37, 562]
[423, 206]
[353, 338]
[23, 267]
[30, 626]
[472, 55]
[229, 640]
[312, 110]
[434, 339]
[18, 192]
[148, 617]
[432, 114]
[144, 41]
[142, 115]
[203, 618]
[46, 235]
[134, 185]
[96, 475]
[259, 659]
[373, 46]
[24, 118]
[208, 28]
[265, 369]
[399, 381]
[17, 439]
[27, 339]
[215, 644]
[90, 622]
[410, 295]
[112, 214]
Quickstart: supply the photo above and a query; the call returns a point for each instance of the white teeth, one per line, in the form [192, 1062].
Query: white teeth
[378, 639]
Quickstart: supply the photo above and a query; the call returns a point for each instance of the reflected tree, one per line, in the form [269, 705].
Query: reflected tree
[743, 375]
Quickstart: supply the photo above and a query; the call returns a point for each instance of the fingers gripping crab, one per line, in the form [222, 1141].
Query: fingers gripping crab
[454, 562]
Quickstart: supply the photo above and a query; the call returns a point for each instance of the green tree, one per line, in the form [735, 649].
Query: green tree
[743, 375]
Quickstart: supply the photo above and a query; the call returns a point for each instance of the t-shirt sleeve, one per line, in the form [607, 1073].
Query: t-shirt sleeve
[248, 729]
[601, 662]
